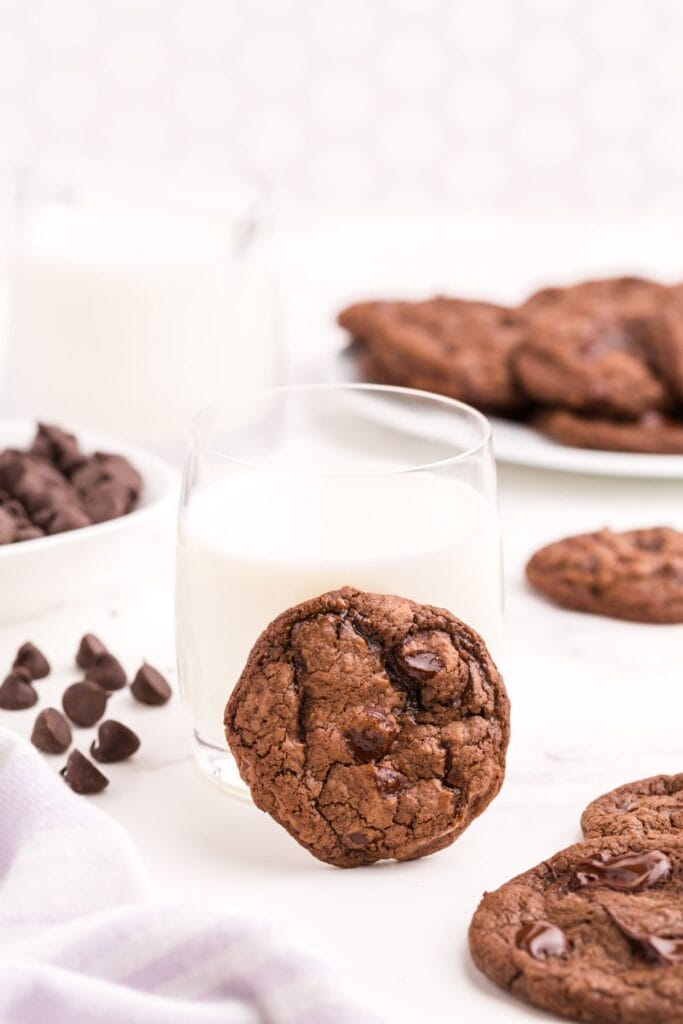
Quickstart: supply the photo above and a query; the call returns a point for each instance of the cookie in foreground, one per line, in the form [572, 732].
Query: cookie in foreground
[593, 934]
[370, 727]
[635, 575]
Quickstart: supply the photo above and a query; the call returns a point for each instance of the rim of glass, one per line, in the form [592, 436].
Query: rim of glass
[452, 404]
[36, 179]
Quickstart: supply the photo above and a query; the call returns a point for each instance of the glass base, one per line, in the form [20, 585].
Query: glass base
[218, 766]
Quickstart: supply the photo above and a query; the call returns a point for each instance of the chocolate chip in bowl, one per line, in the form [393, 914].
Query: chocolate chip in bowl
[74, 558]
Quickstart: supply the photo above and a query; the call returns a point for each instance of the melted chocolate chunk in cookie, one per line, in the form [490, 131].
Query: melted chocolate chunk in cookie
[370, 727]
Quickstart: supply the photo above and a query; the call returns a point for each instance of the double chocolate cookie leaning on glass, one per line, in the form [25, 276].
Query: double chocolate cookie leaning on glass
[370, 727]
[595, 933]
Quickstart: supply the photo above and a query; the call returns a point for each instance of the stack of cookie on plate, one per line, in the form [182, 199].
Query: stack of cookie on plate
[595, 365]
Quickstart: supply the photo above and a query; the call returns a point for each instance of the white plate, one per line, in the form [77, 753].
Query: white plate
[524, 446]
[73, 567]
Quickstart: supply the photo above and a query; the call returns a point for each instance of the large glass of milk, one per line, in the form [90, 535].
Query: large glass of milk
[137, 295]
[291, 492]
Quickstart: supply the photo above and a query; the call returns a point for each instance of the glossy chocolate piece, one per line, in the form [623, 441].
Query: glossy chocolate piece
[541, 940]
[632, 872]
[51, 732]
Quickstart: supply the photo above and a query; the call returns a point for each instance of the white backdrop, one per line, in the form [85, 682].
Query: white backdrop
[519, 106]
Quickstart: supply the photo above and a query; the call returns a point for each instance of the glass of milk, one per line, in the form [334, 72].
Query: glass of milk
[137, 295]
[291, 492]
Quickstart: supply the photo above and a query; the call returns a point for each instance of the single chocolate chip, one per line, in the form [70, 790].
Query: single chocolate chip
[389, 781]
[149, 686]
[420, 665]
[105, 501]
[115, 742]
[27, 531]
[57, 446]
[32, 660]
[541, 940]
[65, 518]
[371, 734]
[51, 732]
[357, 839]
[17, 693]
[107, 672]
[89, 650]
[82, 775]
[85, 703]
[102, 468]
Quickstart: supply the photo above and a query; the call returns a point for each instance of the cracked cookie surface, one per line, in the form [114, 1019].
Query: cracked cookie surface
[635, 575]
[370, 727]
[594, 934]
[648, 807]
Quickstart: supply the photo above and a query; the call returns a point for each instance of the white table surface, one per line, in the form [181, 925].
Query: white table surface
[595, 703]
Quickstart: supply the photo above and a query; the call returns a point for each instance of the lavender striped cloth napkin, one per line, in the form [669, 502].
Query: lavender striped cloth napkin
[82, 938]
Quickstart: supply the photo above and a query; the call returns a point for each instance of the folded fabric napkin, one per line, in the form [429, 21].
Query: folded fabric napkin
[82, 938]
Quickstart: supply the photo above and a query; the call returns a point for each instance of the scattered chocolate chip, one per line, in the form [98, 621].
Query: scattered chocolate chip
[51, 732]
[17, 692]
[85, 703]
[57, 446]
[115, 742]
[149, 686]
[82, 776]
[89, 650]
[107, 672]
[32, 660]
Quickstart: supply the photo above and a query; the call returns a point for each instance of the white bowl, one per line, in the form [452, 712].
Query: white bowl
[49, 572]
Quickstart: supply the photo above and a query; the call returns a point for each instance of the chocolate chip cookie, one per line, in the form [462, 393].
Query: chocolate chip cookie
[370, 727]
[635, 575]
[651, 433]
[627, 297]
[451, 346]
[594, 934]
[597, 365]
[666, 341]
[649, 807]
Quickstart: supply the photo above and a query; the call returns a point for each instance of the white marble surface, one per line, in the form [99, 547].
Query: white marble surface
[595, 703]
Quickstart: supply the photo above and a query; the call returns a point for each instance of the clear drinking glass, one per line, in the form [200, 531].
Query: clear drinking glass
[137, 295]
[291, 492]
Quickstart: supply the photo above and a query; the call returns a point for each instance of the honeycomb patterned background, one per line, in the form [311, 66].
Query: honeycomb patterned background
[507, 105]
